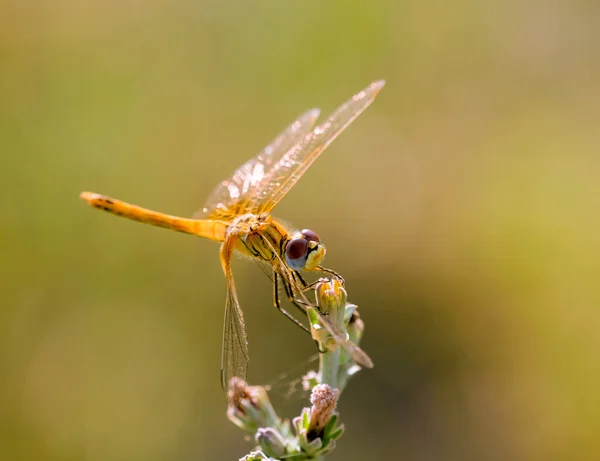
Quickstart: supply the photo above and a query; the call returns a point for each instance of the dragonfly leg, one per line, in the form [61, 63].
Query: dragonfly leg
[310, 286]
[299, 303]
[277, 302]
[298, 277]
[332, 272]
[305, 285]
[302, 305]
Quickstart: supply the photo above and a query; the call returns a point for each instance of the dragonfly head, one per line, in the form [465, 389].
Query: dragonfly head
[304, 251]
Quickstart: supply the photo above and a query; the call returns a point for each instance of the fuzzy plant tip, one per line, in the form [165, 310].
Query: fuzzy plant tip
[324, 401]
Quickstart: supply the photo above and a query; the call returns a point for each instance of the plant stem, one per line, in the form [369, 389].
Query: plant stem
[329, 364]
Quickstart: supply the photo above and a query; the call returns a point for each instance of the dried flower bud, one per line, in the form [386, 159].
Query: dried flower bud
[248, 407]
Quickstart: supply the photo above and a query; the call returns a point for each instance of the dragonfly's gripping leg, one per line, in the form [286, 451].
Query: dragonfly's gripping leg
[291, 298]
[302, 305]
[332, 272]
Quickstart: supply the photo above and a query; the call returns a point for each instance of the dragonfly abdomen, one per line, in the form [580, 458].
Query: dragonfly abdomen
[209, 229]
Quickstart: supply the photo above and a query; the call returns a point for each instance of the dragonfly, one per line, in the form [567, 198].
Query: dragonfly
[238, 214]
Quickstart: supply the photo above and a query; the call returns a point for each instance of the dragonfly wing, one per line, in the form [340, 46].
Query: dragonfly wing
[294, 163]
[234, 358]
[357, 354]
[232, 197]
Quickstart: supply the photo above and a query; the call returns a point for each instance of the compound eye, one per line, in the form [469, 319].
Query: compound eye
[310, 235]
[296, 249]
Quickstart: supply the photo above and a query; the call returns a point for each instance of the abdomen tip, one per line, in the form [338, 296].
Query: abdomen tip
[87, 196]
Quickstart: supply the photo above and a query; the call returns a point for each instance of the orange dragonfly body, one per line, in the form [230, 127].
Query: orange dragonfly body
[238, 214]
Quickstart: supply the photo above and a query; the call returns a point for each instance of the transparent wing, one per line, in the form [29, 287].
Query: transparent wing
[232, 197]
[234, 361]
[357, 354]
[234, 358]
[294, 163]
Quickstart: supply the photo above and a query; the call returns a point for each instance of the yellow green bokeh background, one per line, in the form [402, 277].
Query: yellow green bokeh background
[463, 209]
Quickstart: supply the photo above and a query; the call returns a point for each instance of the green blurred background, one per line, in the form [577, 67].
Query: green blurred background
[462, 209]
